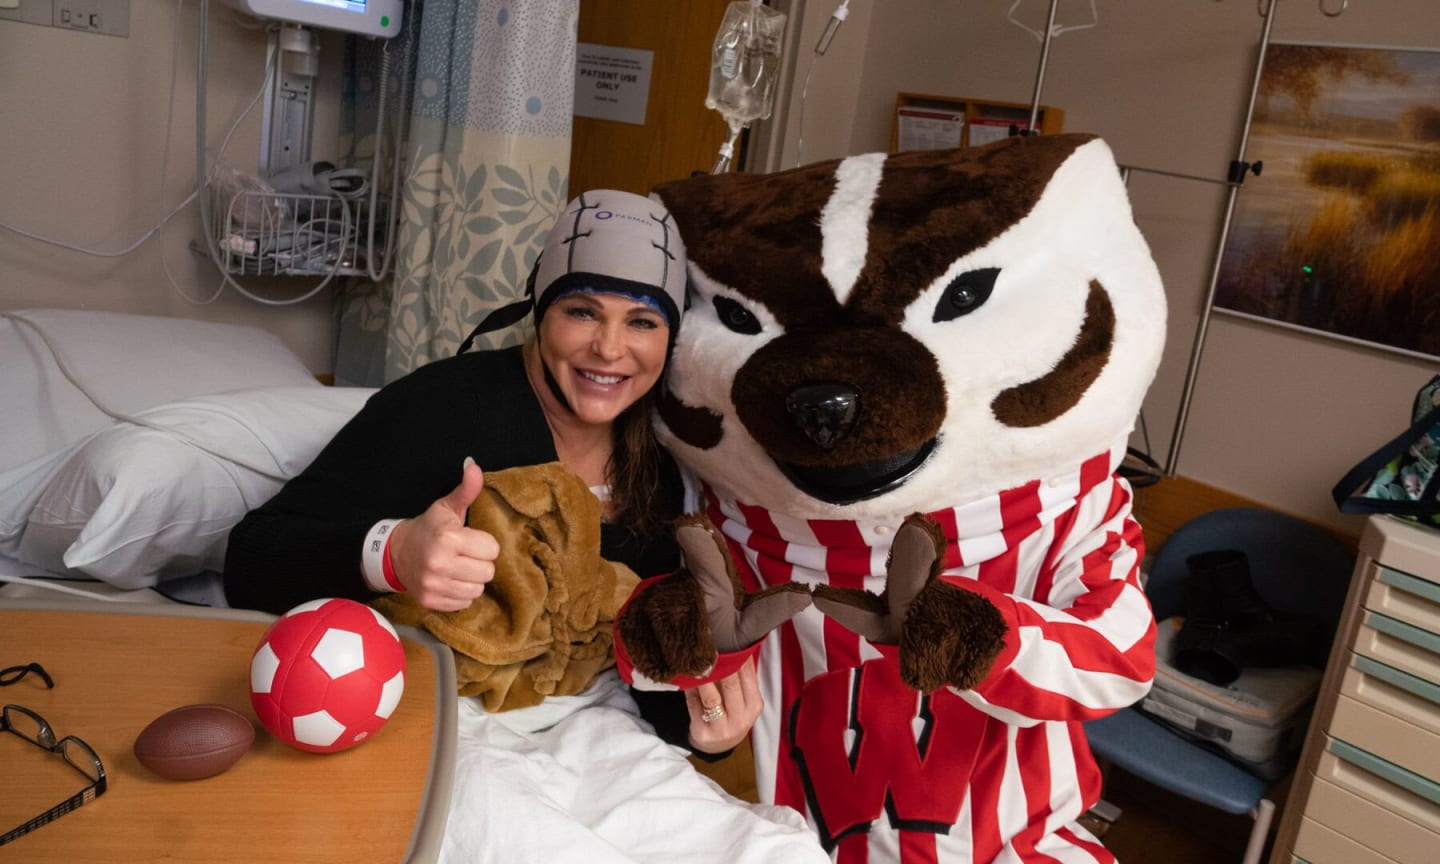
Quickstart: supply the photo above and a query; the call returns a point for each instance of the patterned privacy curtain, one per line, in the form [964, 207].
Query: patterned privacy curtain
[486, 166]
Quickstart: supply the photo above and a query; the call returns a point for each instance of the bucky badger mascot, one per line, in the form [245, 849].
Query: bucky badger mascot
[903, 390]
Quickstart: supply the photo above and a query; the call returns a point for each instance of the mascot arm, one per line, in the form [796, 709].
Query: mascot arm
[1087, 653]
[698, 624]
[947, 635]
[1089, 650]
[644, 677]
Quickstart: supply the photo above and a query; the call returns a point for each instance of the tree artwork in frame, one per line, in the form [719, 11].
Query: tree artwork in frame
[1340, 233]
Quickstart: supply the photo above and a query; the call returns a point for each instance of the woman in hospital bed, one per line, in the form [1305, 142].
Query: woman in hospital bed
[382, 509]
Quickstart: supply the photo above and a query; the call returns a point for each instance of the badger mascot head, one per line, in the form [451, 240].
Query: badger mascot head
[903, 388]
[877, 335]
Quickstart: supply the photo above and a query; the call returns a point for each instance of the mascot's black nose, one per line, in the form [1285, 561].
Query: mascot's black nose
[825, 411]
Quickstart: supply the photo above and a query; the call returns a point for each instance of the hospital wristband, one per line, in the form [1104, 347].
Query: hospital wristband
[375, 563]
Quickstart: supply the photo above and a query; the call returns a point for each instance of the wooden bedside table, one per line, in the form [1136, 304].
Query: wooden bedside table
[118, 666]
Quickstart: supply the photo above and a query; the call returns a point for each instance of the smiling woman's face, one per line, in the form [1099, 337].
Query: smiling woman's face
[604, 351]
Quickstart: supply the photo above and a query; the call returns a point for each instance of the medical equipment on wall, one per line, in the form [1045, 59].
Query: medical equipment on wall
[366, 17]
[744, 67]
[299, 217]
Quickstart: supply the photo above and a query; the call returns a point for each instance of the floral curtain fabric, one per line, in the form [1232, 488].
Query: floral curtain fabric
[486, 161]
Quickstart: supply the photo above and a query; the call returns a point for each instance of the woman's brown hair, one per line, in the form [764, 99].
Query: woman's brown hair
[635, 467]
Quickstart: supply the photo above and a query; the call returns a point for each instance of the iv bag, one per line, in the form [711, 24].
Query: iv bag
[745, 62]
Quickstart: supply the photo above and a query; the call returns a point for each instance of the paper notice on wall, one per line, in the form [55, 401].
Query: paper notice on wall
[983, 130]
[925, 129]
[612, 83]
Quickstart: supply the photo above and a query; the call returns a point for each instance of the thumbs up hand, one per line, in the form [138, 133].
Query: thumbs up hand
[443, 564]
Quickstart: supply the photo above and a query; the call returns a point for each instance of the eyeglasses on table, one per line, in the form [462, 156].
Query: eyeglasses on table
[28, 725]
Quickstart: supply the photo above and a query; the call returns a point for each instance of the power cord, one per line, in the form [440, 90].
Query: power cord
[165, 156]
[164, 166]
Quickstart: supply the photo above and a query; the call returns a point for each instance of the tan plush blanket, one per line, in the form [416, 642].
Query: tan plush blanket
[543, 626]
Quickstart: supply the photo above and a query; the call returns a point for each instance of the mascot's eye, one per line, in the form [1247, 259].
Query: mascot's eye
[966, 293]
[736, 317]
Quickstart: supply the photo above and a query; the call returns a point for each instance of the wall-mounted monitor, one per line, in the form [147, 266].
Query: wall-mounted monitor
[367, 17]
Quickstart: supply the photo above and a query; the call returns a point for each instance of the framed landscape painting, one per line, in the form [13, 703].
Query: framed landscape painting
[1340, 232]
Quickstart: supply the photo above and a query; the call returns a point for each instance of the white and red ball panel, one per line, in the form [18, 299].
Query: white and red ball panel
[327, 674]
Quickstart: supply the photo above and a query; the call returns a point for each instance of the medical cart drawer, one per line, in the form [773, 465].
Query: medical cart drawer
[1373, 811]
[1319, 845]
[1406, 597]
[1394, 691]
[1383, 735]
[1399, 644]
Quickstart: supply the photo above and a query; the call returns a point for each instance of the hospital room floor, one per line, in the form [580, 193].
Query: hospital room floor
[1155, 825]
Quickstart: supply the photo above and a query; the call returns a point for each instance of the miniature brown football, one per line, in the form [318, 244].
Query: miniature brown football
[194, 741]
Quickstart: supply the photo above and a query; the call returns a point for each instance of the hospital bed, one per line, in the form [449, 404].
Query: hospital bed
[130, 445]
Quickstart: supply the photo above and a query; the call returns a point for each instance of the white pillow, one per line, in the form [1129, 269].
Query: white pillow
[134, 505]
[129, 362]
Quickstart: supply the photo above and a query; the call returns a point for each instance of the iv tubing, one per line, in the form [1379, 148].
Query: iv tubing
[832, 26]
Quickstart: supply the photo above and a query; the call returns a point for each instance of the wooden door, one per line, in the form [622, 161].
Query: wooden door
[680, 135]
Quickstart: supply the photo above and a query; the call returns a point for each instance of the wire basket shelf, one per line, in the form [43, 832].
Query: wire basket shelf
[266, 233]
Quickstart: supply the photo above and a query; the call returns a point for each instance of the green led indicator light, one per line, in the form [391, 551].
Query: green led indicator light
[1308, 269]
[384, 20]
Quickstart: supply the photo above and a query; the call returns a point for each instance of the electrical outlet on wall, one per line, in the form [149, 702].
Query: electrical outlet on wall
[109, 17]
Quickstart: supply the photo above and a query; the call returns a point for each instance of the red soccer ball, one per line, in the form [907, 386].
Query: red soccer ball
[327, 675]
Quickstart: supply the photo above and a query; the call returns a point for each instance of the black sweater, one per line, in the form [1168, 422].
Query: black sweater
[400, 453]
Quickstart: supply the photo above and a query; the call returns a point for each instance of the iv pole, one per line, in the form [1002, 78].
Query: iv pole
[1237, 176]
[1234, 180]
[1040, 72]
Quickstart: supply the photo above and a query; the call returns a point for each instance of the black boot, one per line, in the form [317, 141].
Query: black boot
[1228, 573]
[1229, 626]
[1202, 648]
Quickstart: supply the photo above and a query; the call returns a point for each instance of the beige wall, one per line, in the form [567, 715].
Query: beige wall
[82, 121]
[1277, 415]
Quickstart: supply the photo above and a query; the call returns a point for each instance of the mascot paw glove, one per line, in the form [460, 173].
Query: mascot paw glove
[679, 624]
[946, 635]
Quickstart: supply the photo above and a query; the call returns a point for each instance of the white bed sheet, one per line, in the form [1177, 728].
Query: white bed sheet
[582, 778]
[19, 581]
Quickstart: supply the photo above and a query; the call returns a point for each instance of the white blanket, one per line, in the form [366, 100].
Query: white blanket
[583, 778]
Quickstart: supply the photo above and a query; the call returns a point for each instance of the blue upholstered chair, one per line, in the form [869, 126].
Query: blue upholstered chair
[1298, 568]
